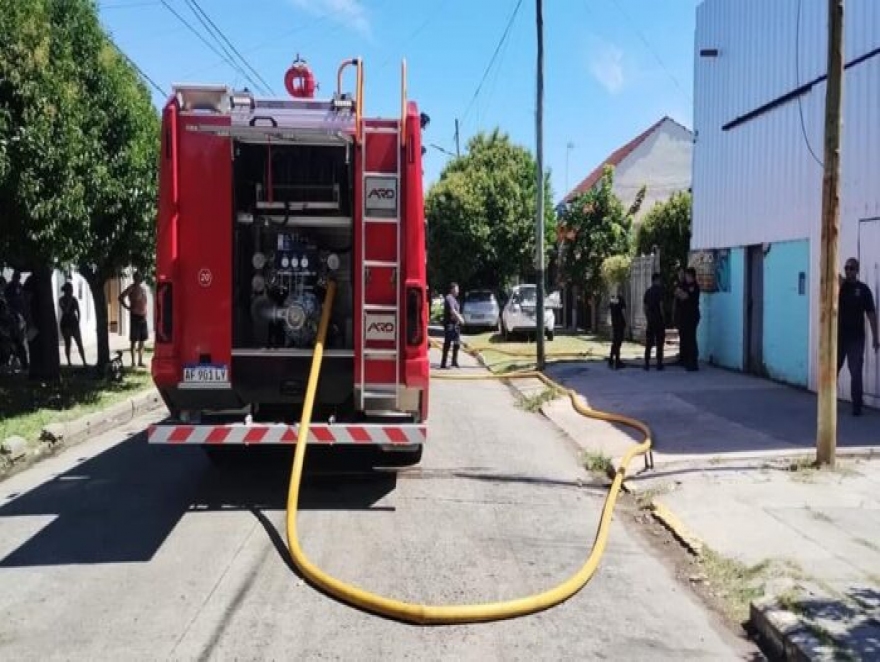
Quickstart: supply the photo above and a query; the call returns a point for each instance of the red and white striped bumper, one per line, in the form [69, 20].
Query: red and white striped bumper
[381, 435]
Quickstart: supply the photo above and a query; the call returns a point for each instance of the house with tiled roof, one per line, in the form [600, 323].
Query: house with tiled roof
[659, 158]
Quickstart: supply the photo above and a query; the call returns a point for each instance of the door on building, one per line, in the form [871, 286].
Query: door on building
[869, 273]
[754, 310]
[111, 294]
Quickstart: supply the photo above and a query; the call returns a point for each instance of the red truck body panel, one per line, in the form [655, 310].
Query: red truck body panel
[213, 162]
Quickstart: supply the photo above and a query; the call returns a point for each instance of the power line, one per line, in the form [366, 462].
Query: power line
[201, 38]
[194, 5]
[442, 149]
[417, 31]
[492, 60]
[142, 73]
[493, 83]
[653, 51]
[213, 34]
[797, 81]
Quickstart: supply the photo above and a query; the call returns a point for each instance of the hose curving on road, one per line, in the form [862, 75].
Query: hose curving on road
[452, 614]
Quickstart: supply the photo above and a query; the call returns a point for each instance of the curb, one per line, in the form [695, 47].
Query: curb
[675, 526]
[57, 436]
[784, 632]
[660, 512]
[78, 430]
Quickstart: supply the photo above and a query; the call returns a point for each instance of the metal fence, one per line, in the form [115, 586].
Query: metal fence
[633, 292]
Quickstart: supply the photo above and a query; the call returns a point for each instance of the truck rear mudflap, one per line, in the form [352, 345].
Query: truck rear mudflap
[385, 436]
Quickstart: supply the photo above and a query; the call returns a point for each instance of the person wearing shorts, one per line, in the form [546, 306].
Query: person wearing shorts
[138, 334]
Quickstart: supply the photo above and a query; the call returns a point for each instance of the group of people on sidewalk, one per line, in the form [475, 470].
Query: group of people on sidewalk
[686, 318]
[17, 327]
[855, 305]
[855, 301]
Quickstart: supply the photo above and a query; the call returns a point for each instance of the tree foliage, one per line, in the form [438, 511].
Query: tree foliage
[615, 270]
[78, 146]
[42, 145]
[596, 226]
[668, 227]
[124, 142]
[481, 216]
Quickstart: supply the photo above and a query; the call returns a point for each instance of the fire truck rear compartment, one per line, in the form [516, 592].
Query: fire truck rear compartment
[292, 232]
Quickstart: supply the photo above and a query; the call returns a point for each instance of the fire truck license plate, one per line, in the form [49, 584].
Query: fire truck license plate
[205, 373]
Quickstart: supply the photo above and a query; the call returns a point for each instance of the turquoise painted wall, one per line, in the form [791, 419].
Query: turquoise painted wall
[724, 341]
[787, 312]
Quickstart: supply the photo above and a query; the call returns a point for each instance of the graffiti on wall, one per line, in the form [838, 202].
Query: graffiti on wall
[722, 270]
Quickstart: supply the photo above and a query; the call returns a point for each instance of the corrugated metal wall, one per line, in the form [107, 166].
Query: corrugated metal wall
[757, 182]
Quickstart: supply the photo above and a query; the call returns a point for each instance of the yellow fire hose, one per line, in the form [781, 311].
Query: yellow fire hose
[450, 614]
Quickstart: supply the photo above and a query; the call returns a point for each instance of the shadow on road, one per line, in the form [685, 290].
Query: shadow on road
[121, 505]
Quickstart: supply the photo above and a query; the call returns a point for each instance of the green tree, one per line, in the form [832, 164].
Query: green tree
[615, 270]
[42, 151]
[481, 216]
[667, 226]
[123, 172]
[78, 158]
[596, 226]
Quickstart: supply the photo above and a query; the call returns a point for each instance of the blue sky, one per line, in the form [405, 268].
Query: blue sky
[612, 67]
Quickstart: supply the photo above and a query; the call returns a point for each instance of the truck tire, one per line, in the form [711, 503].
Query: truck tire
[405, 458]
[223, 457]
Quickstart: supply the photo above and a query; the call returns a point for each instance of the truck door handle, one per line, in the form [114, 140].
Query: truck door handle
[257, 118]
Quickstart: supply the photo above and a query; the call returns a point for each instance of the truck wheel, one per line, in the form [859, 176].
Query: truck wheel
[223, 457]
[405, 458]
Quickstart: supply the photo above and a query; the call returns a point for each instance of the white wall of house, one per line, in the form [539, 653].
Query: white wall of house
[662, 162]
[758, 183]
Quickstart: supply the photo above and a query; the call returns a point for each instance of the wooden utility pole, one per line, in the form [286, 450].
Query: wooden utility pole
[457, 140]
[539, 228]
[826, 428]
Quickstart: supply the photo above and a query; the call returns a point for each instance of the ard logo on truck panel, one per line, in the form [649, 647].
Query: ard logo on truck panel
[380, 196]
[380, 327]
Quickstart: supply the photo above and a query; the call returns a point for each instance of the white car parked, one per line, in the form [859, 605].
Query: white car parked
[518, 315]
[480, 309]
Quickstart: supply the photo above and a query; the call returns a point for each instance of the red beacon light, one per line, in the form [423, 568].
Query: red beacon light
[299, 80]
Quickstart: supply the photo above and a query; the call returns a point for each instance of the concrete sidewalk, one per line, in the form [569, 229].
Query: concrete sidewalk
[732, 471]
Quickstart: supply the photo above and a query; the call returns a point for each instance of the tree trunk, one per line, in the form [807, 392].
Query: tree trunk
[45, 360]
[102, 327]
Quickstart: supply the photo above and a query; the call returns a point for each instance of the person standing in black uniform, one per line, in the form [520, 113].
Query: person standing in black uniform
[452, 321]
[676, 311]
[688, 296]
[655, 333]
[617, 307]
[855, 302]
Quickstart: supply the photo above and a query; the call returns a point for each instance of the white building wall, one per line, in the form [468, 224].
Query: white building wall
[758, 182]
[88, 315]
[662, 162]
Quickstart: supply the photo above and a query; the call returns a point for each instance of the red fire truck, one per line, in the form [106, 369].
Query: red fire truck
[261, 202]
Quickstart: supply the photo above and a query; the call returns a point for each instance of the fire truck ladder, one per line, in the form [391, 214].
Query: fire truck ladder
[375, 395]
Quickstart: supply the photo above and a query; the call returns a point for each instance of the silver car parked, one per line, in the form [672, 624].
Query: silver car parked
[480, 310]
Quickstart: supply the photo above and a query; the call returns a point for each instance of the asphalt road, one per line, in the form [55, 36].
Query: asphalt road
[116, 550]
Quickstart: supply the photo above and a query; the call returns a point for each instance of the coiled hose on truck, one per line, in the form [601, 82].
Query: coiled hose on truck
[451, 614]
